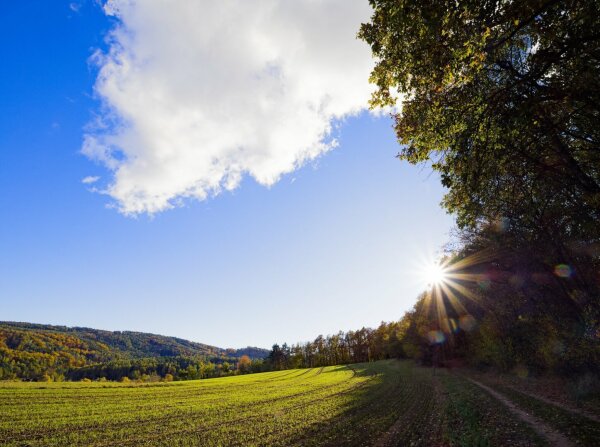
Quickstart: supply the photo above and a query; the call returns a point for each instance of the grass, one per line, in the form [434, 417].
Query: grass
[352, 405]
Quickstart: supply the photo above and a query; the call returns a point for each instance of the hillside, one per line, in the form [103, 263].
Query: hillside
[30, 350]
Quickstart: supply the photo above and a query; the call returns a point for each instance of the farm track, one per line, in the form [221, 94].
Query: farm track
[553, 437]
[578, 428]
[561, 405]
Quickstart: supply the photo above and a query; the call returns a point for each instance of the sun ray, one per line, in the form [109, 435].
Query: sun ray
[453, 300]
[474, 259]
[472, 277]
[463, 290]
[442, 315]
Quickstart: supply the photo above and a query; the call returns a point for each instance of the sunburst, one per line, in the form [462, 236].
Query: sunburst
[448, 284]
[434, 273]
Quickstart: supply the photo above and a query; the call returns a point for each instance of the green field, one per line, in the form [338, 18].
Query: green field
[382, 403]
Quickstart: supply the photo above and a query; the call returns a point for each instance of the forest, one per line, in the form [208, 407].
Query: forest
[55, 353]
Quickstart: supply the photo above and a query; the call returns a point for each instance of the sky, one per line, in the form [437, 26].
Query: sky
[208, 171]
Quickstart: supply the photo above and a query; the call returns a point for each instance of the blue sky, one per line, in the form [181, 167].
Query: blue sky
[335, 244]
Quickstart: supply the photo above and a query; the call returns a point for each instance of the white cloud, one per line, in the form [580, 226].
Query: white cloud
[198, 94]
[89, 180]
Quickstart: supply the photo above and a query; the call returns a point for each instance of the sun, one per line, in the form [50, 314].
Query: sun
[435, 273]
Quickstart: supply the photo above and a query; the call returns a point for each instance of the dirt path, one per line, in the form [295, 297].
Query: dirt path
[541, 428]
[560, 405]
[549, 391]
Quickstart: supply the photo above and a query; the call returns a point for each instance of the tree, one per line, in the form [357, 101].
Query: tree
[503, 99]
[244, 364]
[225, 367]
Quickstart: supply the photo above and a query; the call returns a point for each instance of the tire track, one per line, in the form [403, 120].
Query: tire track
[554, 437]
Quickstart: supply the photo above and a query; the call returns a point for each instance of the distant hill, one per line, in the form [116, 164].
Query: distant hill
[253, 353]
[32, 349]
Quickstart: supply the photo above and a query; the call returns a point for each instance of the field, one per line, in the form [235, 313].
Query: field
[387, 403]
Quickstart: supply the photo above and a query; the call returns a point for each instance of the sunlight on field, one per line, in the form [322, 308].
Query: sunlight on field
[243, 408]
[353, 405]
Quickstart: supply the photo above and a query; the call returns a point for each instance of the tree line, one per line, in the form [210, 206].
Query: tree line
[358, 346]
[502, 99]
[156, 369]
[500, 308]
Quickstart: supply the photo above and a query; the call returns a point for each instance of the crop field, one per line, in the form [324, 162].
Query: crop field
[388, 403]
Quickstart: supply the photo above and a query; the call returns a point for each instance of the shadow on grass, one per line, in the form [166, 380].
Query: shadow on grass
[400, 404]
[369, 409]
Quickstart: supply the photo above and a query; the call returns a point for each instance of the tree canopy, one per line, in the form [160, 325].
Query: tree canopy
[504, 98]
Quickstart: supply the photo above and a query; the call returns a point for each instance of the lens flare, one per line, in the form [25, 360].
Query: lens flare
[436, 337]
[563, 271]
